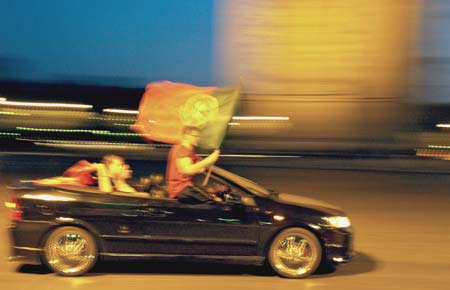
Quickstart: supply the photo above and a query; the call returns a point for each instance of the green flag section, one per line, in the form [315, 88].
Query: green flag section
[166, 107]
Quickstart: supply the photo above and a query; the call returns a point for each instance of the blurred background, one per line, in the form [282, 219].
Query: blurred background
[320, 78]
[346, 101]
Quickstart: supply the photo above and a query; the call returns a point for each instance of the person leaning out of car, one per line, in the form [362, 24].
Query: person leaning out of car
[112, 174]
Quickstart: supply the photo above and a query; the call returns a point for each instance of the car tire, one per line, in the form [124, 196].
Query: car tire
[295, 253]
[70, 251]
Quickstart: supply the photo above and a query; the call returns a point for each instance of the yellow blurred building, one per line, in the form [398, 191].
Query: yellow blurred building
[337, 69]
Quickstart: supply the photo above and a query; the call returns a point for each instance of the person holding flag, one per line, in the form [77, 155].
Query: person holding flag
[183, 163]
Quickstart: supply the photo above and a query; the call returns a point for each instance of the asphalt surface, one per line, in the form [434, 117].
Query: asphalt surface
[402, 239]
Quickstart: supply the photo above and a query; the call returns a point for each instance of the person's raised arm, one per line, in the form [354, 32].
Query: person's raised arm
[103, 180]
[186, 166]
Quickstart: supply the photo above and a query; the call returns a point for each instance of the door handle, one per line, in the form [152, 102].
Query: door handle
[153, 212]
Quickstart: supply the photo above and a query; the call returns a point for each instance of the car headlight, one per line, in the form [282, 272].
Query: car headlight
[337, 221]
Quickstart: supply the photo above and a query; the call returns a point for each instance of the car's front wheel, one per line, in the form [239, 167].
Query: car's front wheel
[295, 253]
[70, 251]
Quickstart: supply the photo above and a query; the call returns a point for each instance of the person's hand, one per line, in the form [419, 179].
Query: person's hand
[91, 167]
[97, 166]
[216, 198]
[94, 165]
[214, 156]
[100, 168]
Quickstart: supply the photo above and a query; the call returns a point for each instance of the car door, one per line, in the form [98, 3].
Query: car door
[172, 227]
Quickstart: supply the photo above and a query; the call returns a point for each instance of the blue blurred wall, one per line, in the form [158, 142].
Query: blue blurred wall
[125, 43]
[435, 53]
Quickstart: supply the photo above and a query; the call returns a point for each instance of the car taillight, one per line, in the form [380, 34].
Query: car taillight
[15, 211]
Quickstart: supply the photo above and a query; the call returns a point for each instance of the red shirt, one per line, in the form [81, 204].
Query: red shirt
[176, 181]
[84, 178]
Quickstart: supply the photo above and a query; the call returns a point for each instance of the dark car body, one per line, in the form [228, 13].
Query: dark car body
[238, 230]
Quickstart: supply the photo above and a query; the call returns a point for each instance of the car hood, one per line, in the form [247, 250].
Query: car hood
[307, 202]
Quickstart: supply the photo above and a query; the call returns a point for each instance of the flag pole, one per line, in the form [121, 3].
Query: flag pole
[208, 175]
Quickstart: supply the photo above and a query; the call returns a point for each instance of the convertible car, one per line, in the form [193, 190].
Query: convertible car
[70, 228]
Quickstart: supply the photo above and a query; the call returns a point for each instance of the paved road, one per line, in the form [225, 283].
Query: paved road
[402, 225]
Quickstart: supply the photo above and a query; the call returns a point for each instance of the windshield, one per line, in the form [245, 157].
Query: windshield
[252, 186]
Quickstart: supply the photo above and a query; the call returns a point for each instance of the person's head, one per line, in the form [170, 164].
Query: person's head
[191, 135]
[153, 180]
[116, 167]
[156, 179]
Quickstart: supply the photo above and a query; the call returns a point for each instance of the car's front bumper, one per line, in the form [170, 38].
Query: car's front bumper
[338, 245]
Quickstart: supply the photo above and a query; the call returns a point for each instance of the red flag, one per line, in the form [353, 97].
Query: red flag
[166, 107]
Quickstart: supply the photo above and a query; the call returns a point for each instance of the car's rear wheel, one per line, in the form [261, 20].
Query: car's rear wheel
[295, 253]
[70, 251]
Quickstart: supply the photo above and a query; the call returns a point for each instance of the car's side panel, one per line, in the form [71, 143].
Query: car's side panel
[205, 229]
